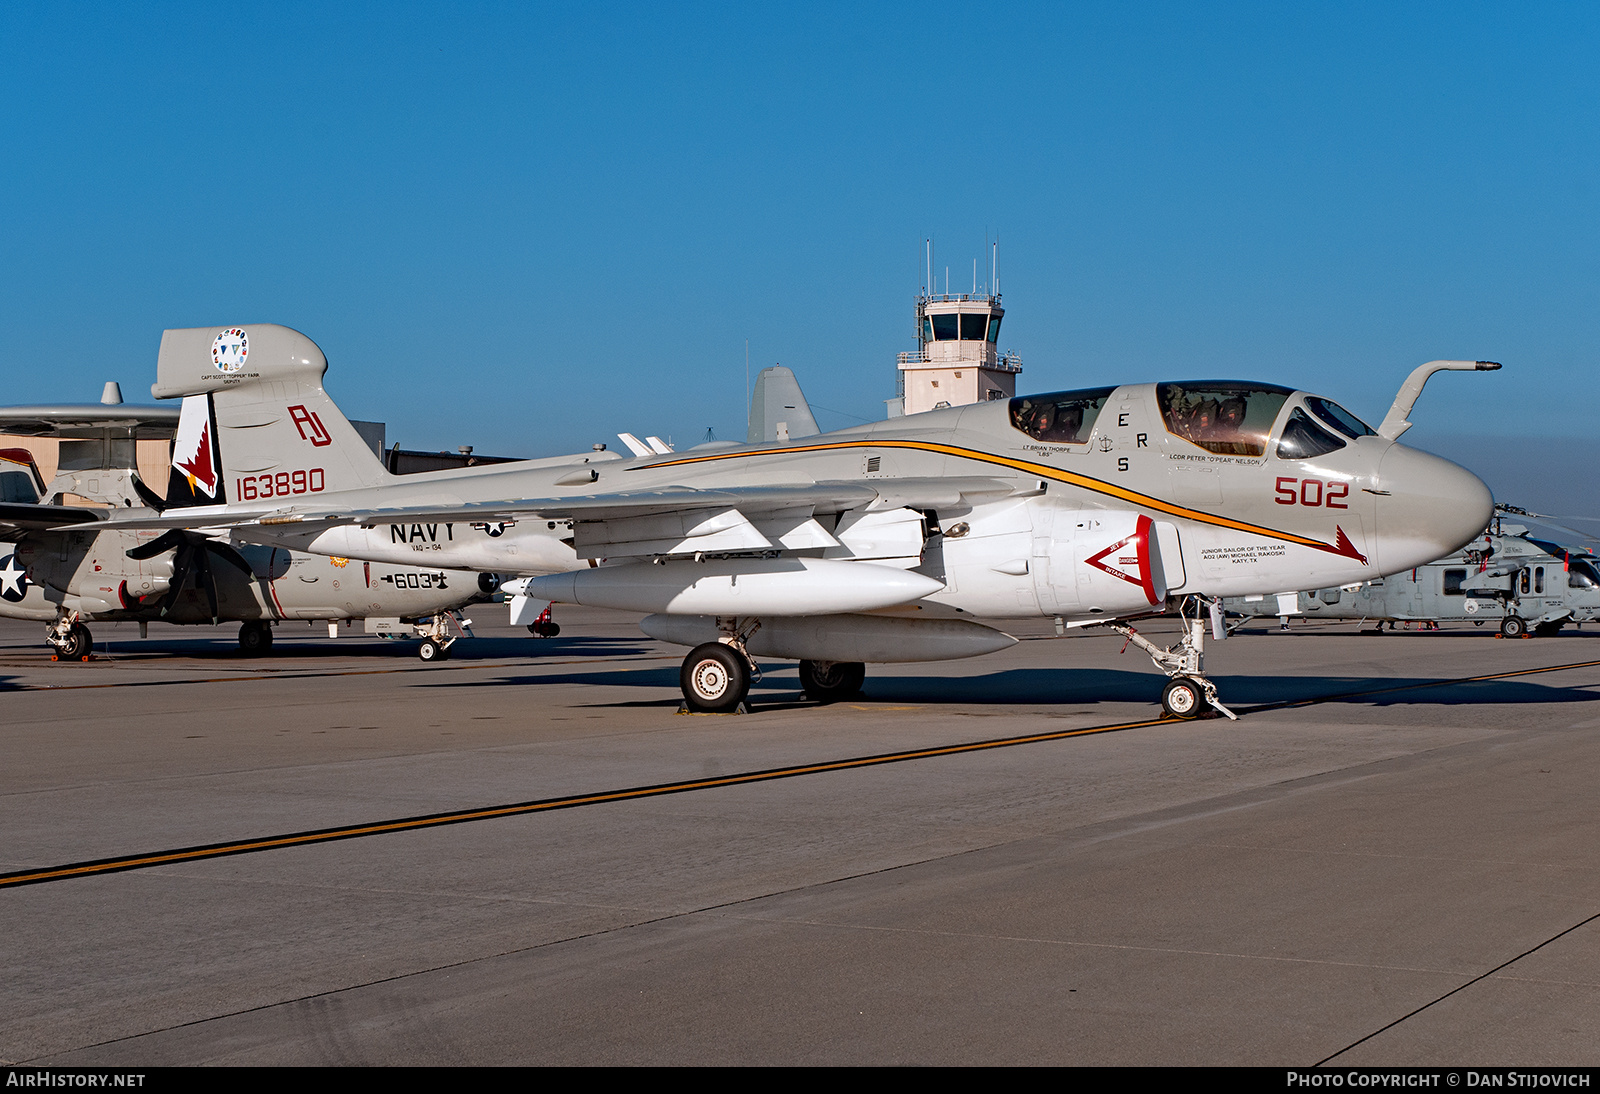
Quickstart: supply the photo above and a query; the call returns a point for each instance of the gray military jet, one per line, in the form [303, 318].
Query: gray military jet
[882, 542]
[57, 566]
[1507, 577]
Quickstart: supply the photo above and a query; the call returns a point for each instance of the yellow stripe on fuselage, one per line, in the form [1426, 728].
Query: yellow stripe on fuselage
[1071, 478]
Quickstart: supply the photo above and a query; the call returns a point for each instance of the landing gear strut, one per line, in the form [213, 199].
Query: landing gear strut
[1189, 691]
[716, 676]
[436, 636]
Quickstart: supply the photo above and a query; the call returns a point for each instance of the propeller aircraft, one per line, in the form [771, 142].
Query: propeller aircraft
[58, 566]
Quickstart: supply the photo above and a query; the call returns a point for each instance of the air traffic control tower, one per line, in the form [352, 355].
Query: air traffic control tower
[957, 361]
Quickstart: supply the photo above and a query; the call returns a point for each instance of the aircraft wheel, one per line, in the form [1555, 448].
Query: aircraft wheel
[1547, 630]
[433, 651]
[544, 630]
[826, 681]
[255, 639]
[715, 678]
[1182, 698]
[1513, 626]
[77, 644]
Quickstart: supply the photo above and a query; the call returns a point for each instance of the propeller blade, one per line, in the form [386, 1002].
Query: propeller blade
[165, 542]
[232, 557]
[205, 578]
[181, 560]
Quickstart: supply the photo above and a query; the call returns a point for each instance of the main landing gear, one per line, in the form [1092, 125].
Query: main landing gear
[826, 681]
[255, 638]
[1189, 691]
[716, 676]
[71, 639]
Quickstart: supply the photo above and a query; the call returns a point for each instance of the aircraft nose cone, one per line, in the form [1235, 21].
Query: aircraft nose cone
[1433, 507]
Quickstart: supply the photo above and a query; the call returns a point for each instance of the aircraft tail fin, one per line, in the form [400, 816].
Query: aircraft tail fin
[778, 409]
[262, 427]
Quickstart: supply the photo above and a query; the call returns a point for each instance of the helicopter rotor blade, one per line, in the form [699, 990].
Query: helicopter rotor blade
[1503, 509]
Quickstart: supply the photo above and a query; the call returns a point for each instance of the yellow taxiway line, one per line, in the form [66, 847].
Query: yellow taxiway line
[545, 805]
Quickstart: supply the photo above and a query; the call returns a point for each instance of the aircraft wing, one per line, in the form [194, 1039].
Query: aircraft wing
[663, 521]
[17, 517]
[88, 420]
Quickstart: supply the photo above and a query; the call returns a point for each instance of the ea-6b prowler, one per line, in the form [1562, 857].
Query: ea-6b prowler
[884, 542]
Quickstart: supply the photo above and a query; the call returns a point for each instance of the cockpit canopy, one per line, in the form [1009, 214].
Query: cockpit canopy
[1062, 417]
[19, 481]
[1236, 419]
[1228, 417]
[1222, 416]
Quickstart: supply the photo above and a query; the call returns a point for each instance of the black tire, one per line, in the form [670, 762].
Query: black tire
[1513, 626]
[78, 643]
[715, 678]
[826, 681]
[431, 651]
[1183, 698]
[1548, 630]
[255, 639]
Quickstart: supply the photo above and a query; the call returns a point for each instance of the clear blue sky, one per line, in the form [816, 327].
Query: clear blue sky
[526, 227]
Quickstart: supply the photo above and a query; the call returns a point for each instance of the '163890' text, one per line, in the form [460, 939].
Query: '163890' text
[282, 484]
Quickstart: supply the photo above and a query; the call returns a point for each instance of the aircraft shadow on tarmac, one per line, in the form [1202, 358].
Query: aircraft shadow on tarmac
[1347, 629]
[1074, 687]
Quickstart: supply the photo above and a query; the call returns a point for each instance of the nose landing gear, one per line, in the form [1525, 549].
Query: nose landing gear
[71, 639]
[436, 636]
[1189, 691]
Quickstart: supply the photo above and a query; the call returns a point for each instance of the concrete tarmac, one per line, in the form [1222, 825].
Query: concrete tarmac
[1400, 876]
